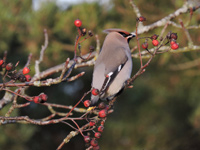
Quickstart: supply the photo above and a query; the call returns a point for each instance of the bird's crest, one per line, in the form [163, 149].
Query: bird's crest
[116, 30]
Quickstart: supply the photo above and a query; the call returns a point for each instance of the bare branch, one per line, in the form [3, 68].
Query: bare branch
[44, 47]
[163, 21]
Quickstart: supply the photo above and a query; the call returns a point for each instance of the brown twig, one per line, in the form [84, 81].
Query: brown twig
[136, 33]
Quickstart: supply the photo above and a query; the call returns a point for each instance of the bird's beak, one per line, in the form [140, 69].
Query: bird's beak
[133, 34]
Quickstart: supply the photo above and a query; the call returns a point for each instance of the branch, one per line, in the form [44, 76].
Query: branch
[44, 47]
[161, 22]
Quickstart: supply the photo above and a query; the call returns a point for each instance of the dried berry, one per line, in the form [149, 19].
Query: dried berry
[14, 76]
[173, 36]
[154, 37]
[91, 48]
[90, 33]
[22, 78]
[83, 31]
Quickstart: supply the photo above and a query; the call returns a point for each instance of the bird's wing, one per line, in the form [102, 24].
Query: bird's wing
[112, 69]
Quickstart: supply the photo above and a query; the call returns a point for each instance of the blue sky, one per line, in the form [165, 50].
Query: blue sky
[65, 3]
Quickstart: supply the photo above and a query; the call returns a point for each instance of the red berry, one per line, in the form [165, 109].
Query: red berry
[43, 97]
[100, 128]
[87, 103]
[141, 19]
[95, 92]
[174, 46]
[1, 61]
[94, 142]
[28, 77]
[97, 135]
[92, 123]
[172, 42]
[86, 139]
[37, 99]
[77, 23]
[26, 70]
[155, 42]
[9, 66]
[145, 45]
[103, 113]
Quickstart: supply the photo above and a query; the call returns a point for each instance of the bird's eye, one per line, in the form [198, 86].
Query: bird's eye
[123, 34]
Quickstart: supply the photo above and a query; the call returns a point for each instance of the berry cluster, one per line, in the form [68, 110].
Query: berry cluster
[22, 76]
[92, 141]
[83, 31]
[172, 37]
[13, 74]
[96, 123]
[40, 98]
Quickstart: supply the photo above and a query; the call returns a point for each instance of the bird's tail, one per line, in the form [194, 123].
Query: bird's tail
[94, 100]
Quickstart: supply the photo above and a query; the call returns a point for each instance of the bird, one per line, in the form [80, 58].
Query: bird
[113, 65]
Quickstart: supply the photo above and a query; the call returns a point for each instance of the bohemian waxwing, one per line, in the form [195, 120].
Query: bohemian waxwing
[113, 66]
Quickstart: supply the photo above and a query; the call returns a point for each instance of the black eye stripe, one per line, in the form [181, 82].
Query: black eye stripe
[124, 35]
[127, 36]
